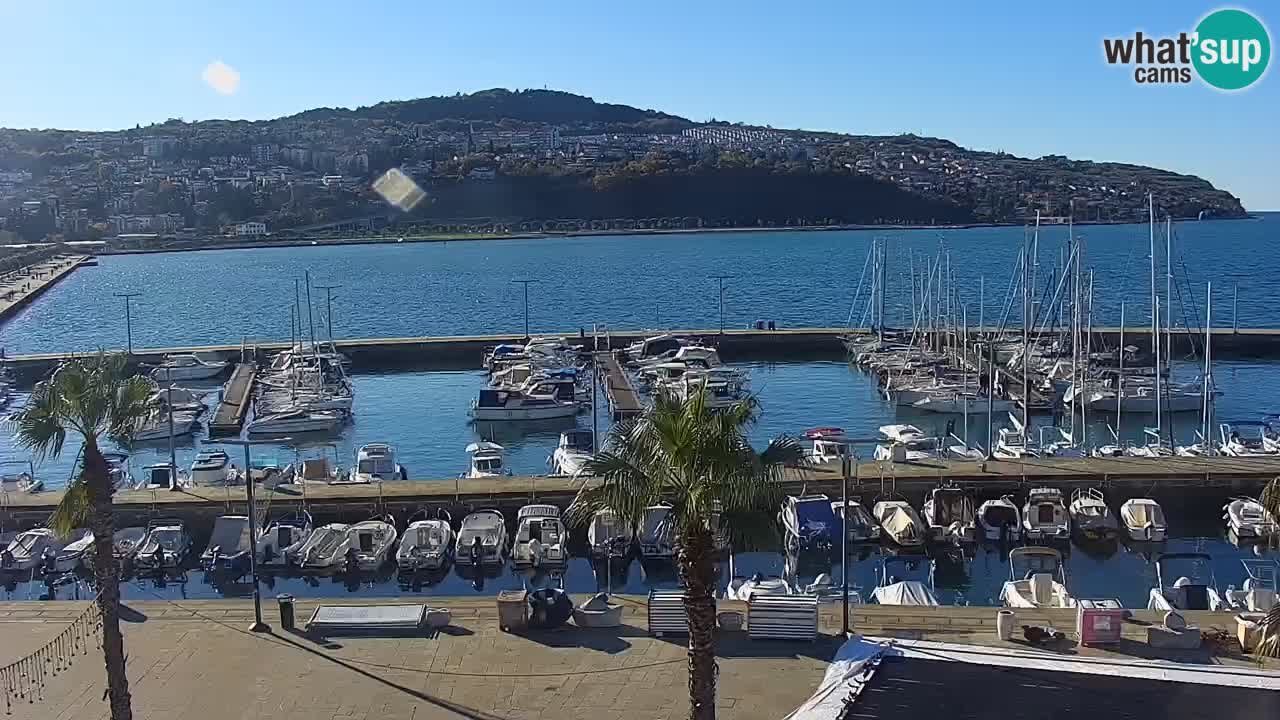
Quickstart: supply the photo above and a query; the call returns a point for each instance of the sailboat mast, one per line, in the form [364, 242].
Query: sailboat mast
[1088, 353]
[1206, 421]
[1026, 334]
[1151, 225]
[1168, 293]
[1159, 423]
[1120, 374]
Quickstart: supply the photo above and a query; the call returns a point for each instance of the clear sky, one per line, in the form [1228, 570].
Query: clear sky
[1025, 77]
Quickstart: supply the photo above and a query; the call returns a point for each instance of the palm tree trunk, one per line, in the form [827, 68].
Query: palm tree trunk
[108, 577]
[698, 571]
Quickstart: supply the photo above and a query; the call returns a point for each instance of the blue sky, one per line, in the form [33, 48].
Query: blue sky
[1028, 78]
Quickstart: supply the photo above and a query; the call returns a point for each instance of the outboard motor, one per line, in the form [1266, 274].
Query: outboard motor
[351, 560]
[477, 551]
[6, 559]
[158, 557]
[49, 561]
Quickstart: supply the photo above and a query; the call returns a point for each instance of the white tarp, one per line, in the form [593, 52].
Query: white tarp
[849, 670]
[907, 592]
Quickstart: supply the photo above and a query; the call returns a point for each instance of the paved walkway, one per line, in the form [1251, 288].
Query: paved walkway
[194, 660]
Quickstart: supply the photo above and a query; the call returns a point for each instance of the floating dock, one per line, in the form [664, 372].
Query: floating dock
[237, 395]
[624, 401]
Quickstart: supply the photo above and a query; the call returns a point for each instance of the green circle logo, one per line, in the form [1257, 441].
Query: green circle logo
[1232, 49]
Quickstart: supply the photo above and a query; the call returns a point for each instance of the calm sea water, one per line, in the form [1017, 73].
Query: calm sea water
[459, 288]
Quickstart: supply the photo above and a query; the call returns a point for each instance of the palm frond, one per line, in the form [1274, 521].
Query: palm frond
[1271, 498]
[1269, 629]
[73, 511]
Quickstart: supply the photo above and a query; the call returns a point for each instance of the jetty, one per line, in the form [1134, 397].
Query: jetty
[20, 287]
[624, 401]
[237, 395]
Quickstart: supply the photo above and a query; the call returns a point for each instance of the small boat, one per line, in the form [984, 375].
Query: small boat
[899, 522]
[73, 554]
[809, 522]
[1091, 516]
[830, 445]
[1010, 446]
[1037, 579]
[949, 514]
[826, 589]
[159, 426]
[117, 469]
[21, 482]
[212, 467]
[295, 421]
[376, 462]
[161, 476]
[283, 537]
[656, 533]
[894, 590]
[905, 443]
[1189, 592]
[1259, 592]
[1247, 518]
[858, 523]
[29, 548]
[576, 448]
[515, 405]
[999, 520]
[652, 346]
[609, 536]
[126, 541]
[374, 541]
[1045, 517]
[482, 539]
[743, 588]
[427, 544]
[166, 546]
[1247, 438]
[187, 366]
[1143, 520]
[228, 548]
[540, 538]
[362, 546]
[486, 460]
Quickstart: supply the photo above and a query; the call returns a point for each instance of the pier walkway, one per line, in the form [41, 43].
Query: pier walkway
[187, 657]
[20, 287]
[236, 397]
[624, 401]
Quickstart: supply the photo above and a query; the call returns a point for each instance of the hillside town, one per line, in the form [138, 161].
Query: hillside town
[313, 173]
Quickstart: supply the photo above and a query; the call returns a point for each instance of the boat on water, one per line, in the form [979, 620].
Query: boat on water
[1091, 516]
[1143, 520]
[1011, 445]
[894, 589]
[540, 538]
[809, 523]
[126, 541]
[427, 544]
[830, 445]
[1247, 438]
[1260, 591]
[857, 521]
[1248, 519]
[486, 460]
[656, 541]
[999, 520]
[828, 590]
[73, 554]
[295, 421]
[212, 467]
[362, 546]
[165, 547]
[758, 585]
[1195, 590]
[1037, 579]
[905, 443]
[187, 366]
[376, 462]
[159, 425]
[515, 405]
[482, 539]
[950, 516]
[29, 548]
[609, 536]
[161, 476]
[24, 480]
[652, 346]
[228, 547]
[575, 449]
[282, 538]
[1045, 517]
[899, 522]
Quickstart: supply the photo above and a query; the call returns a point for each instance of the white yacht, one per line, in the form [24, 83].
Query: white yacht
[540, 538]
[212, 467]
[282, 538]
[486, 460]
[514, 405]
[999, 520]
[427, 544]
[166, 546]
[158, 425]
[608, 535]
[1045, 517]
[830, 445]
[29, 548]
[1091, 516]
[1037, 579]
[651, 346]
[1193, 591]
[899, 522]
[482, 539]
[950, 516]
[575, 449]
[187, 366]
[376, 462]
[1143, 520]
[656, 541]
[893, 589]
[295, 421]
[1248, 519]
[809, 522]
[858, 523]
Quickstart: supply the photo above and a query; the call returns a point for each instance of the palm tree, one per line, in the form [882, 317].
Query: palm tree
[701, 463]
[1269, 643]
[91, 398]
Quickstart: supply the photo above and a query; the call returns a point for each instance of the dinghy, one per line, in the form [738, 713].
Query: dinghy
[427, 543]
[999, 520]
[482, 539]
[1248, 519]
[540, 537]
[166, 546]
[1036, 580]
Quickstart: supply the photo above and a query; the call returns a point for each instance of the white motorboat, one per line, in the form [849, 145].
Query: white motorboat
[956, 403]
[212, 467]
[29, 548]
[282, 538]
[827, 590]
[1141, 398]
[1010, 446]
[126, 541]
[166, 546]
[1044, 517]
[376, 462]
[905, 443]
[1143, 520]
[1247, 518]
[1091, 516]
[949, 515]
[858, 523]
[486, 460]
[609, 536]
[158, 426]
[899, 522]
[161, 476]
[809, 522]
[295, 421]
[1259, 592]
[73, 554]
[744, 588]
[482, 539]
[427, 544]
[656, 541]
[999, 520]
[893, 589]
[363, 546]
[651, 346]
[1037, 579]
[540, 538]
[228, 548]
[323, 548]
[374, 541]
[576, 448]
[187, 366]
[830, 445]
[514, 405]
[23, 481]
[1247, 438]
[1196, 591]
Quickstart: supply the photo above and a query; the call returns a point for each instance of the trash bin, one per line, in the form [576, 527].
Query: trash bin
[286, 611]
[513, 610]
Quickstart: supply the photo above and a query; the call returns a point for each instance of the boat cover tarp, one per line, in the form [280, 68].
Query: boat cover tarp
[849, 670]
[230, 534]
[1141, 513]
[815, 516]
[899, 524]
[907, 592]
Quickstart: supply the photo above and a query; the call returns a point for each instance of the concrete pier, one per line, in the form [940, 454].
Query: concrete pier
[624, 401]
[19, 288]
[236, 397]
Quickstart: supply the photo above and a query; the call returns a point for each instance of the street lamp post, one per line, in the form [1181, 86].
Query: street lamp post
[128, 318]
[328, 305]
[526, 304]
[721, 279]
[258, 625]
